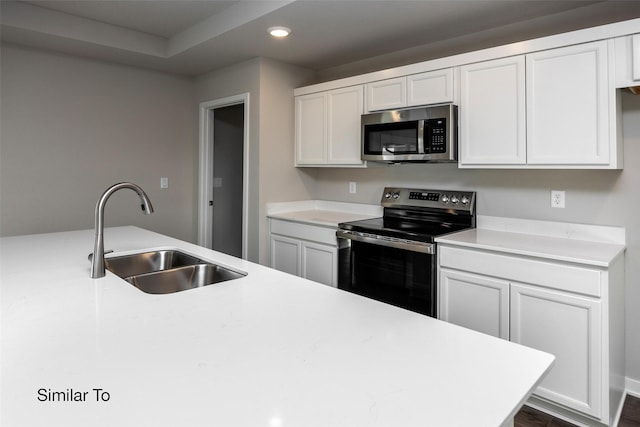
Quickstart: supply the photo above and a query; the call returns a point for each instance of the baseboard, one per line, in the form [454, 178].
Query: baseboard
[632, 387]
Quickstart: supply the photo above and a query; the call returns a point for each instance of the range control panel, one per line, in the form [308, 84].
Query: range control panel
[443, 199]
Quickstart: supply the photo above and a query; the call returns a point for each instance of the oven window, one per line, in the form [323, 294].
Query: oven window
[395, 276]
[391, 138]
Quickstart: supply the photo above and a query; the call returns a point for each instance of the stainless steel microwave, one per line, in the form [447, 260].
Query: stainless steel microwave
[425, 134]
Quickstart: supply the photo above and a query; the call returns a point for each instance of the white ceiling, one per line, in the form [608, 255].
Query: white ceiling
[193, 37]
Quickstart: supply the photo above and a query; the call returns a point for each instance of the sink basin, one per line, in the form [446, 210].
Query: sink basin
[182, 278]
[148, 262]
[168, 271]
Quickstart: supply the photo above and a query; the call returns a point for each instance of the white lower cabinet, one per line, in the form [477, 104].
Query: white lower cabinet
[569, 327]
[573, 311]
[475, 302]
[305, 250]
[285, 254]
[319, 263]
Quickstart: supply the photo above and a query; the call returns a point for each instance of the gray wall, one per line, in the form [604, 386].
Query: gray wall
[237, 80]
[72, 127]
[272, 176]
[279, 180]
[592, 197]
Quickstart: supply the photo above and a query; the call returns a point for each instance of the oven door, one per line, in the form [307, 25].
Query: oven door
[400, 273]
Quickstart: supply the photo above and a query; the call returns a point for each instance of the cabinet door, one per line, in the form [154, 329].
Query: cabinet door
[635, 58]
[492, 113]
[475, 302]
[311, 129]
[430, 88]
[569, 327]
[345, 106]
[568, 106]
[387, 94]
[285, 254]
[319, 263]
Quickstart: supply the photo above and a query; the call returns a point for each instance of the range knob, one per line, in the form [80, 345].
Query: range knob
[465, 200]
[387, 195]
[396, 195]
[454, 199]
[445, 198]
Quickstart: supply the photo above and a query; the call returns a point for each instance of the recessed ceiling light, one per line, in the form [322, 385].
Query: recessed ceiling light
[279, 31]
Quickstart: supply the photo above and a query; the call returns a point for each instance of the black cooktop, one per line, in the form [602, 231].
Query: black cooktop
[419, 215]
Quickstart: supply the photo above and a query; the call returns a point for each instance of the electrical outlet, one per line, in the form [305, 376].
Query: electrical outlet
[557, 199]
[352, 187]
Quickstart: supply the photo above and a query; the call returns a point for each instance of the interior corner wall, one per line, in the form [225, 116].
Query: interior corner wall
[71, 127]
[231, 81]
[280, 180]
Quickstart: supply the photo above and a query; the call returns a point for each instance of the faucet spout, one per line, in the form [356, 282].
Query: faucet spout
[97, 261]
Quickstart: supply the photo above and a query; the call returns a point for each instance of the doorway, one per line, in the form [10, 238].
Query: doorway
[223, 179]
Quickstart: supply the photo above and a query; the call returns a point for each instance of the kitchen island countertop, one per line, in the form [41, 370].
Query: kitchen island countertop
[269, 349]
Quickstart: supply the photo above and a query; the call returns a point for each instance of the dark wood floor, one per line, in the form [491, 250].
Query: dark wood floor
[529, 417]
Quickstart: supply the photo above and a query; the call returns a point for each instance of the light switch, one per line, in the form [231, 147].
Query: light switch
[164, 182]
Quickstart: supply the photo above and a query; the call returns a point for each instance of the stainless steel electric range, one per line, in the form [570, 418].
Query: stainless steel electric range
[393, 258]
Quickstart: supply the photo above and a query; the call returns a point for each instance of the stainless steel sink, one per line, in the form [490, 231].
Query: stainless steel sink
[168, 271]
[148, 262]
[182, 278]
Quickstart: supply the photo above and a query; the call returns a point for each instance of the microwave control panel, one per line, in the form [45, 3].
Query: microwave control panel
[435, 136]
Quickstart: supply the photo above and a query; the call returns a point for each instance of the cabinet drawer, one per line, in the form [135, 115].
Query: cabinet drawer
[550, 274]
[298, 230]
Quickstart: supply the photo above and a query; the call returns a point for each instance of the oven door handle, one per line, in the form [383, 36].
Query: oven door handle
[409, 245]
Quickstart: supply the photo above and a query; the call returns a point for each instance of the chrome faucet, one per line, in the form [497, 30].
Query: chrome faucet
[97, 261]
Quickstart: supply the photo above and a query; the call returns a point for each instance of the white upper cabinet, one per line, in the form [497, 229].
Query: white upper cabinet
[492, 113]
[562, 115]
[433, 87]
[328, 128]
[635, 58]
[311, 129]
[627, 51]
[343, 126]
[568, 106]
[548, 103]
[386, 94]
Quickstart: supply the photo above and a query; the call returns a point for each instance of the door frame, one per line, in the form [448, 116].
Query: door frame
[205, 169]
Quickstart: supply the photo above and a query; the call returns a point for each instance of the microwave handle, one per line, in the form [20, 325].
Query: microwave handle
[421, 124]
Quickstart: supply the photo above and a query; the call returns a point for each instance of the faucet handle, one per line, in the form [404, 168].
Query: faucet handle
[90, 256]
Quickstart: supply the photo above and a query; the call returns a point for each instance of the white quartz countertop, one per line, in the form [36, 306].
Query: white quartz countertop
[320, 217]
[322, 213]
[269, 349]
[593, 253]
